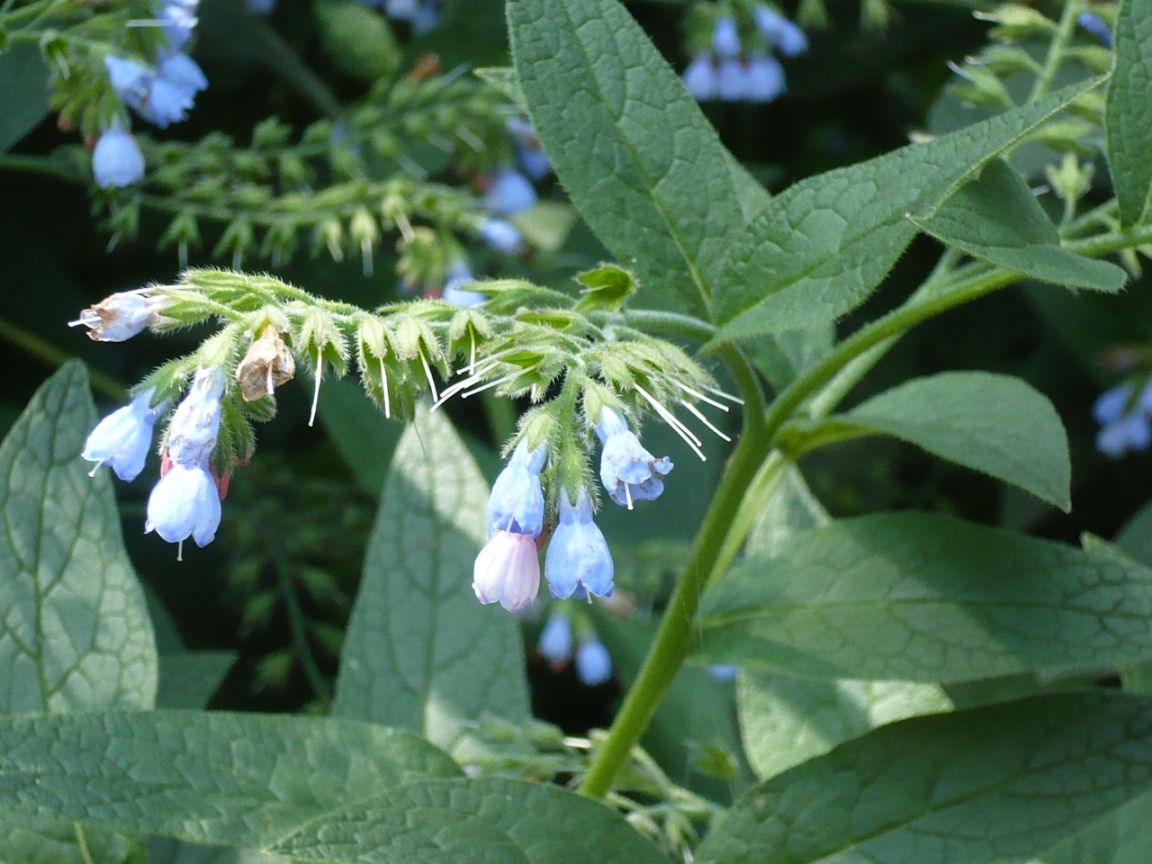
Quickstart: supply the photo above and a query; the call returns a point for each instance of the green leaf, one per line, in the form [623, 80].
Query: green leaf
[1128, 113]
[821, 247]
[791, 509]
[421, 652]
[485, 821]
[1135, 537]
[362, 435]
[219, 778]
[639, 159]
[503, 78]
[919, 597]
[973, 787]
[786, 721]
[188, 679]
[997, 218]
[75, 634]
[992, 423]
[36, 841]
[359, 40]
[23, 92]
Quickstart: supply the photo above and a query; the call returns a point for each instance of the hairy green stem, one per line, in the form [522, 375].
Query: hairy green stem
[670, 645]
[1057, 49]
[298, 626]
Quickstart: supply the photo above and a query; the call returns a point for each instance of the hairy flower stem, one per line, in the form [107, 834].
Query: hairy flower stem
[1058, 49]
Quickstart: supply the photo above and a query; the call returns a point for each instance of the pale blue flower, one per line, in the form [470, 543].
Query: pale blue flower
[179, 20]
[533, 160]
[501, 236]
[507, 571]
[1096, 25]
[402, 10]
[1125, 419]
[779, 32]
[427, 19]
[732, 81]
[628, 471]
[162, 95]
[196, 421]
[509, 192]
[555, 643]
[1112, 403]
[130, 80]
[184, 503]
[593, 663]
[700, 78]
[578, 562]
[116, 159]
[726, 37]
[119, 317]
[455, 294]
[765, 78]
[724, 673]
[517, 500]
[123, 438]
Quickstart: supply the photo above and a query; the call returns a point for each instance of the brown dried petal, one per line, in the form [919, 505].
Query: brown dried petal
[266, 366]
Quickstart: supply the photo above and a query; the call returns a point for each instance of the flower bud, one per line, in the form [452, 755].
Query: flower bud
[116, 159]
[122, 439]
[121, 316]
[578, 562]
[628, 471]
[593, 663]
[555, 643]
[196, 422]
[184, 503]
[507, 571]
[266, 366]
[779, 32]
[726, 37]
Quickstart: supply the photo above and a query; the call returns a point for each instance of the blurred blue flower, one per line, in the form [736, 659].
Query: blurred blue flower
[726, 37]
[123, 438]
[517, 500]
[178, 17]
[501, 236]
[779, 32]
[724, 673]
[628, 471]
[1125, 419]
[732, 81]
[555, 643]
[509, 192]
[507, 571]
[1096, 25]
[578, 562]
[184, 503]
[593, 663]
[454, 293]
[196, 421]
[162, 95]
[116, 159]
[259, 7]
[533, 160]
[765, 79]
[700, 78]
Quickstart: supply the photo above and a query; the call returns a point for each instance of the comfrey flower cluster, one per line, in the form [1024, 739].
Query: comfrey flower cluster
[161, 92]
[557, 645]
[1125, 418]
[736, 68]
[577, 563]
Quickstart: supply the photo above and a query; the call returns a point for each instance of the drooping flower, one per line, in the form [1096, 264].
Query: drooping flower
[628, 471]
[123, 438]
[455, 294]
[732, 80]
[593, 663]
[120, 316]
[509, 192]
[116, 159]
[184, 503]
[531, 157]
[726, 37]
[501, 236]
[1125, 419]
[779, 32]
[196, 422]
[765, 80]
[516, 504]
[178, 18]
[555, 643]
[700, 78]
[162, 95]
[507, 571]
[1097, 26]
[578, 562]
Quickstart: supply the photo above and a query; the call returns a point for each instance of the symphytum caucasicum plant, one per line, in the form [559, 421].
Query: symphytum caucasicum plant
[892, 687]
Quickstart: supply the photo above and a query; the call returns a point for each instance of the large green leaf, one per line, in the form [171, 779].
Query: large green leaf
[421, 653]
[226, 779]
[919, 597]
[786, 721]
[486, 821]
[57, 841]
[319, 790]
[363, 436]
[188, 679]
[1128, 115]
[993, 423]
[791, 509]
[996, 217]
[821, 247]
[986, 785]
[23, 92]
[75, 634]
[632, 148]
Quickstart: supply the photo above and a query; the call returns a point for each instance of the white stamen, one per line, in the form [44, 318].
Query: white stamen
[472, 352]
[723, 395]
[180, 551]
[366, 255]
[696, 413]
[677, 427]
[702, 397]
[405, 227]
[384, 387]
[628, 495]
[490, 385]
[316, 393]
[270, 382]
[428, 375]
[97, 467]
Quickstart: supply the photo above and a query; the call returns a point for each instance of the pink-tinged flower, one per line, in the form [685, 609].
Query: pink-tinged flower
[184, 503]
[196, 422]
[122, 439]
[507, 571]
[120, 316]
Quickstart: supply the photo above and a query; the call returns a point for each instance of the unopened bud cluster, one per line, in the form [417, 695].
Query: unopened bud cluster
[591, 376]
